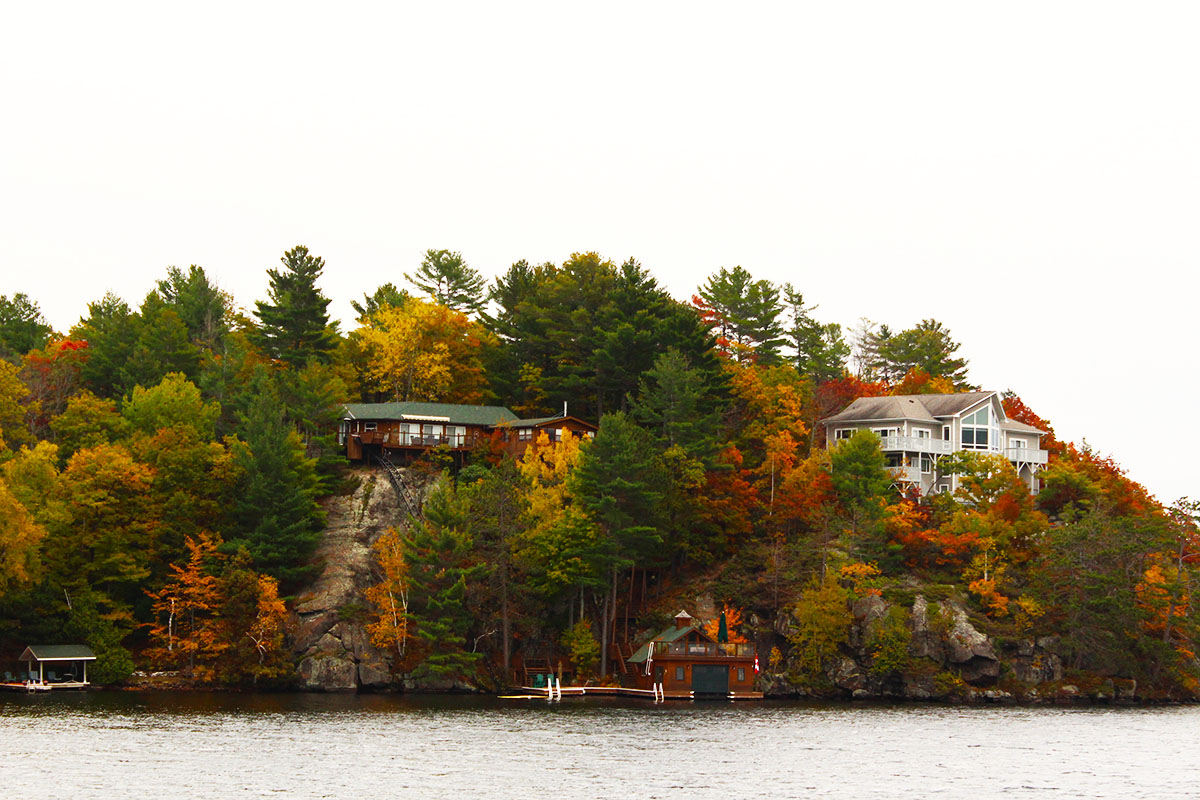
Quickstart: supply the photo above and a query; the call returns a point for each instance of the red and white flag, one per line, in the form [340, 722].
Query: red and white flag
[756, 664]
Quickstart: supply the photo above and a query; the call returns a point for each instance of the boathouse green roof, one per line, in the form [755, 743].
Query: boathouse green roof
[58, 652]
[669, 635]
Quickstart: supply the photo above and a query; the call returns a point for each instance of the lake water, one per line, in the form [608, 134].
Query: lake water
[166, 745]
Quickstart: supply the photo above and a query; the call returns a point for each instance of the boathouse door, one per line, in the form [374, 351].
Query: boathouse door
[710, 679]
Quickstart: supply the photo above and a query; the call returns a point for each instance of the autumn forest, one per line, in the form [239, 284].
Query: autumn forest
[165, 467]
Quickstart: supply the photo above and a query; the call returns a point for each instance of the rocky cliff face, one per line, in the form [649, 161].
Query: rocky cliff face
[333, 648]
[948, 658]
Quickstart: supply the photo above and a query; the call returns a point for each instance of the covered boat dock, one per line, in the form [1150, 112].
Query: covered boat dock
[51, 666]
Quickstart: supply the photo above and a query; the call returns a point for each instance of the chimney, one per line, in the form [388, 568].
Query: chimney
[564, 408]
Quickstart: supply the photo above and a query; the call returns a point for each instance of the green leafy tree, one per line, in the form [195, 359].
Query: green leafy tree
[445, 277]
[294, 324]
[615, 484]
[111, 335]
[745, 313]
[496, 506]
[439, 553]
[175, 402]
[386, 296]
[926, 347]
[202, 307]
[14, 409]
[22, 326]
[1086, 576]
[679, 403]
[862, 486]
[820, 350]
[277, 518]
[822, 622]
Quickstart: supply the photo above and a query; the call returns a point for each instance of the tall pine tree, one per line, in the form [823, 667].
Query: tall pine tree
[294, 325]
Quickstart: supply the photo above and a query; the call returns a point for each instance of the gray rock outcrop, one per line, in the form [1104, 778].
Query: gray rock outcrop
[334, 650]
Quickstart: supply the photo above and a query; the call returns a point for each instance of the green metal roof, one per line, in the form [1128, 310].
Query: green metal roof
[671, 634]
[457, 414]
[58, 652]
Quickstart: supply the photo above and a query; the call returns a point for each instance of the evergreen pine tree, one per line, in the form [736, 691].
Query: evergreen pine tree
[294, 325]
[277, 516]
[446, 278]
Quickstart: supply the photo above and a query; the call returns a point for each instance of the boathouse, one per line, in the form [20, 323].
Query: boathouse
[684, 659]
[57, 666]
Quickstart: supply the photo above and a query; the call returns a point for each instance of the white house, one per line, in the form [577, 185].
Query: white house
[916, 430]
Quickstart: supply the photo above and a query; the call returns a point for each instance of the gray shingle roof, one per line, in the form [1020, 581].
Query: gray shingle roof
[457, 414]
[1019, 427]
[924, 407]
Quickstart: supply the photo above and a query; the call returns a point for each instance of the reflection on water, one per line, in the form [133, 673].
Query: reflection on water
[179, 745]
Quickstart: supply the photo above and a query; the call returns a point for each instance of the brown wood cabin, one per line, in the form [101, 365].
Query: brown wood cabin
[373, 429]
[683, 658]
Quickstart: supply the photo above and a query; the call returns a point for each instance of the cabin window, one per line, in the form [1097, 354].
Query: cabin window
[370, 426]
[842, 433]
[524, 434]
[679, 673]
[741, 674]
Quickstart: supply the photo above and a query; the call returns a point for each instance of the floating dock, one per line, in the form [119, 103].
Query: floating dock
[657, 694]
[38, 686]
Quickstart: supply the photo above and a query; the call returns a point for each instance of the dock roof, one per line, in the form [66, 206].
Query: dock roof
[57, 652]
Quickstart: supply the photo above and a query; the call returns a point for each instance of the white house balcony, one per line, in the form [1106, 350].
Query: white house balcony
[906, 474]
[1027, 455]
[914, 444]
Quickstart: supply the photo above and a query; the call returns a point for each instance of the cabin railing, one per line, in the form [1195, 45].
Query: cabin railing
[706, 649]
[397, 439]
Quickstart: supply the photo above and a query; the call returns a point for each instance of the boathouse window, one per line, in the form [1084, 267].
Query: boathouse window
[524, 434]
[741, 674]
[679, 673]
[370, 426]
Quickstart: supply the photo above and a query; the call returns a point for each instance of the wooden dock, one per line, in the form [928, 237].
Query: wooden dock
[534, 692]
[36, 686]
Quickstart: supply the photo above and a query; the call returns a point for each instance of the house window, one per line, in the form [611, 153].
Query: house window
[741, 674]
[842, 433]
[370, 426]
[944, 488]
[679, 673]
[895, 460]
[524, 434]
[926, 464]
[975, 429]
[946, 433]
[922, 433]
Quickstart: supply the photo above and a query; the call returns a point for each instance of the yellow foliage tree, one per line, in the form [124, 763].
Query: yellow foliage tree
[183, 608]
[390, 628]
[20, 537]
[424, 351]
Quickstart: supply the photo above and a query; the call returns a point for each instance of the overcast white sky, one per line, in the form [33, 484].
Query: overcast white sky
[1024, 172]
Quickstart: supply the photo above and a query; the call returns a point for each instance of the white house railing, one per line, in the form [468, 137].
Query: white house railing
[1027, 455]
[915, 444]
[909, 474]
